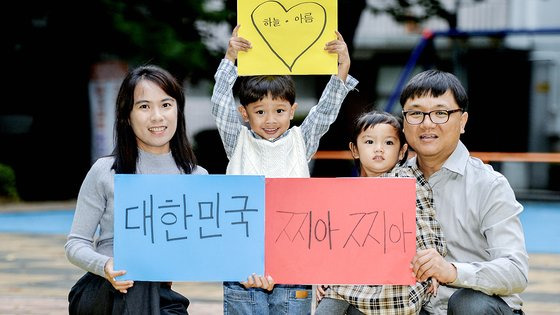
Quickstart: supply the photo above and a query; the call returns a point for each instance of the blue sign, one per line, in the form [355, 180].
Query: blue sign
[189, 227]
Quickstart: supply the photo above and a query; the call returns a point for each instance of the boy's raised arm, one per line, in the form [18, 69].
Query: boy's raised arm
[224, 108]
[322, 115]
[339, 47]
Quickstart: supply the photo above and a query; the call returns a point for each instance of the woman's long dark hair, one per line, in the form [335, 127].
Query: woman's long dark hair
[126, 148]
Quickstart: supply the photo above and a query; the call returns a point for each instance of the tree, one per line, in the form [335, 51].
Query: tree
[167, 31]
[417, 11]
[50, 46]
[138, 32]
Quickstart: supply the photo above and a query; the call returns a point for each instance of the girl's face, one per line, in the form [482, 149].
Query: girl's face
[378, 149]
[153, 117]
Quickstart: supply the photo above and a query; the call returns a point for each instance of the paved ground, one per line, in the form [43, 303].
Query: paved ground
[35, 278]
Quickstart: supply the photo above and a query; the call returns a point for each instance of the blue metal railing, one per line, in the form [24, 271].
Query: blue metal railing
[428, 36]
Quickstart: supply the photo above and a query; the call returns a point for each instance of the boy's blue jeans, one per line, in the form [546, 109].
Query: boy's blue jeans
[282, 300]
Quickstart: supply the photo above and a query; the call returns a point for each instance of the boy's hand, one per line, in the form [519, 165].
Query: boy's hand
[256, 281]
[236, 44]
[339, 47]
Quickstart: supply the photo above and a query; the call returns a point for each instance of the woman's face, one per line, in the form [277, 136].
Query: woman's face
[153, 117]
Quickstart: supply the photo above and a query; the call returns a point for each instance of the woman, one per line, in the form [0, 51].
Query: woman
[150, 135]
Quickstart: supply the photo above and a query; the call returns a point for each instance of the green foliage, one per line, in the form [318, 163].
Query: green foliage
[138, 32]
[165, 33]
[8, 189]
[418, 10]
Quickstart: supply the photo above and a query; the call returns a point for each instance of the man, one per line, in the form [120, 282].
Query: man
[487, 263]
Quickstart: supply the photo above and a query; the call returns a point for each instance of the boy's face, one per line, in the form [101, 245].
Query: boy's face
[268, 118]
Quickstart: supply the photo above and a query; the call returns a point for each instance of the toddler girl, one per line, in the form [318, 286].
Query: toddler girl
[379, 148]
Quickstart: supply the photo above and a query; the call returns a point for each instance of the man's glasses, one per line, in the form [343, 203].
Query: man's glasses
[440, 116]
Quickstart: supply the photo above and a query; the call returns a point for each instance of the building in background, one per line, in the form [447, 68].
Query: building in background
[58, 119]
[509, 63]
[507, 57]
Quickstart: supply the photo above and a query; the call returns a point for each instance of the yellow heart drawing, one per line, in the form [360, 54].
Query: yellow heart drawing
[289, 33]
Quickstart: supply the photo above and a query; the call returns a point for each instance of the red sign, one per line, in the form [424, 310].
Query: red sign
[340, 230]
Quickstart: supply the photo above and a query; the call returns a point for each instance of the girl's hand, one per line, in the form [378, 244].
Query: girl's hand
[110, 275]
[255, 281]
[434, 285]
[320, 292]
[236, 44]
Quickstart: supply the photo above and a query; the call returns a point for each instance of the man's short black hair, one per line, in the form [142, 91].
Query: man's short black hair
[435, 83]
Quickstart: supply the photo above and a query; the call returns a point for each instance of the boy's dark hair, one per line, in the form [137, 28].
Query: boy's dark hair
[370, 120]
[255, 88]
[435, 83]
[126, 147]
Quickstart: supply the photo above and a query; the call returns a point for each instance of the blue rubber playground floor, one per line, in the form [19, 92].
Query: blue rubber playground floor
[541, 223]
[540, 219]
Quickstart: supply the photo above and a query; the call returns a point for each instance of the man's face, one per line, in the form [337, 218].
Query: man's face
[434, 142]
[269, 118]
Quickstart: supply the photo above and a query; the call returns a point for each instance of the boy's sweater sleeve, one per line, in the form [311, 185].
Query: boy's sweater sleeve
[322, 115]
[223, 105]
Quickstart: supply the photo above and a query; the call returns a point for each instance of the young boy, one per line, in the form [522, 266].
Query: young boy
[273, 149]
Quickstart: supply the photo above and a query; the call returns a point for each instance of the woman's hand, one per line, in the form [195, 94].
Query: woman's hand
[110, 275]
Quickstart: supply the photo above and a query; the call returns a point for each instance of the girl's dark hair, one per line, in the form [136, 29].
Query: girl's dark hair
[126, 148]
[370, 120]
[435, 83]
[255, 88]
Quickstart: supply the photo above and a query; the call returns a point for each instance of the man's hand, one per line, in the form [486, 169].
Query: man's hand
[110, 275]
[236, 44]
[429, 263]
[339, 47]
[256, 281]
